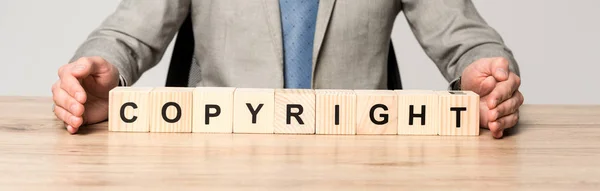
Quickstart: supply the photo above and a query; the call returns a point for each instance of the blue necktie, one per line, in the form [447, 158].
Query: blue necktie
[298, 20]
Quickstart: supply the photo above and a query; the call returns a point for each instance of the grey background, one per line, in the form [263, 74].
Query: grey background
[556, 43]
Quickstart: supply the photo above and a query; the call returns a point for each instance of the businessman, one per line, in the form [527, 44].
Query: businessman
[339, 44]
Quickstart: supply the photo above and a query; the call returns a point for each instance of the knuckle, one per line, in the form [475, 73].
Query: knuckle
[501, 97]
[494, 126]
[74, 87]
[63, 84]
[61, 70]
[82, 59]
[503, 60]
[85, 60]
[490, 115]
[517, 80]
[495, 95]
[95, 59]
[514, 120]
[520, 98]
[496, 114]
[505, 96]
[59, 101]
[53, 87]
[516, 115]
[55, 93]
[60, 114]
[57, 114]
[515, 106]
[501, 123]
[68, 102]
[69, 89]
[55, 97]
[506, 87]
[65, 116]
[65, 76]
[520, 102]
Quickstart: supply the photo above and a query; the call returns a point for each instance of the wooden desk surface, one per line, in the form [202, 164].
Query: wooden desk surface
[554, 148]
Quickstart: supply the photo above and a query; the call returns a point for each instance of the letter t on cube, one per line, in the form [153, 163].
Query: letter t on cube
[459, 113]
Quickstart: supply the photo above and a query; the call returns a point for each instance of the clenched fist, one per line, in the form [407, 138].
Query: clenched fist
[81, 94]
[498, 88]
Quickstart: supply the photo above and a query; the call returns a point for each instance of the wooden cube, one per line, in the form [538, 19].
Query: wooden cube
[376, 112]
[336, 112]
[171, 109]
[418, 112]
[253, 110]
[294, 111]
[213, 110]
[128, 109]
[459, 113]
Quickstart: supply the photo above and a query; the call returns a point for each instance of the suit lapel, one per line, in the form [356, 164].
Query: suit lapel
[323, 17]
[274, 21]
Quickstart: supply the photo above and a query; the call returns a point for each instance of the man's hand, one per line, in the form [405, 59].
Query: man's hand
[81, 94]
[498, 89]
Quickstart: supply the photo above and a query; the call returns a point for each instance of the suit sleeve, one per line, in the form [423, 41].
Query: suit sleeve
[454, 35]
[135, 37]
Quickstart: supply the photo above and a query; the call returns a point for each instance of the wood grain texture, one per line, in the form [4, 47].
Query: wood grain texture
[217, 99]
[469, 119]
[325, 107]
[560, 114]
[384, 104]
[243, 118]
[129, 98]
[169, 99]
[302, 97]
[37, 153]
[417, 99]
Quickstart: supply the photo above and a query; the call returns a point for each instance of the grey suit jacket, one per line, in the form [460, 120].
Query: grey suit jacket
[239, 42]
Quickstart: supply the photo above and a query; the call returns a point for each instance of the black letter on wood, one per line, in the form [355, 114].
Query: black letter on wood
[254, 112]
[412, 114]
[458, 110]
[289, 114]
[337, 114]
[208, 114]
[164, 112]
[384, 116]
[128, 104]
